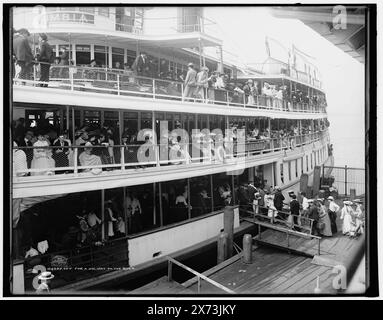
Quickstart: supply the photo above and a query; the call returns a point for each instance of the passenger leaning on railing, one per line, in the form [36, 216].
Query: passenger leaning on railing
[60, 154]
[88, 159]
[23, 54]
[45, 57]
[42, 156]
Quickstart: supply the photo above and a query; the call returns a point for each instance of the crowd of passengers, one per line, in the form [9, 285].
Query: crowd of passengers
[50, 149]
[293, 212]
[43, 231]
[198, 82]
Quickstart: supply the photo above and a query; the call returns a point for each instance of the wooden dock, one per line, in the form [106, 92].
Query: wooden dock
[276, 269]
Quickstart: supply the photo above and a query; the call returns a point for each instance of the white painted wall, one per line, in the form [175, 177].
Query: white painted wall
[160, 20]
[141, 249]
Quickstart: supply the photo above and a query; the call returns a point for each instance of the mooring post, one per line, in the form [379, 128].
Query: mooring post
[222, 247]
[228, 227]
[247, 248]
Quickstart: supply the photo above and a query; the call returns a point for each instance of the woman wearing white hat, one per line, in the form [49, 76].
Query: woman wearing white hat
[359, 217]
[346, 215]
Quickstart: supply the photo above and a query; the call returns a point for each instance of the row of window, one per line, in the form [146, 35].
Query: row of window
[292, 167]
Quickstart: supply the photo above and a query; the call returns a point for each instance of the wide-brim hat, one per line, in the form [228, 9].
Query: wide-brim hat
[290, 191]
[358, 201]
[205, 68]
[43, 36]
[190, 64]
[310, 200]
[46, 275]
[330, 198]
[88, 144]
[347, 203]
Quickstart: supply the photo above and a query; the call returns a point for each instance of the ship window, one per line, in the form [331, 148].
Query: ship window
[86, 9]
[131, 123]
[311, 160]
[189, 19]
[281, 172]
[118, 56]
[200, 196]
[82, 54]
[131, 56]
[103, 11]
[92, 117]
[296, 168]
[289, 167]
[101, 56]
[146, 120]
[172, 211]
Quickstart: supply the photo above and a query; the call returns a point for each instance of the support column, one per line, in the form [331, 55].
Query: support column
[189, 210]
[154, 204]
[160, 201]
[220, 68]
[228, 226]
[103, 214]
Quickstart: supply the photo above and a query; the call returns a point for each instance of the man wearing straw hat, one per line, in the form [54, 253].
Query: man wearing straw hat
[190, 81]
[333, 208]
[202, 83]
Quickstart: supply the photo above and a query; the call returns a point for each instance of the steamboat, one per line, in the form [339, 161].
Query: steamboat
[135, 169]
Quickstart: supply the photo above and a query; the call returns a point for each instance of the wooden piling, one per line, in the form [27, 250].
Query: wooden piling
[247, 248]
[222, 247]
[228, 227]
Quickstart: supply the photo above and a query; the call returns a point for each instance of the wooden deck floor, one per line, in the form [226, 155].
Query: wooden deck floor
[275, 271]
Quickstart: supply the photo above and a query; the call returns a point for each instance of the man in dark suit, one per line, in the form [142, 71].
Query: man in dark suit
[190, 82]
[27, 142]
[23, 53]
[314, 214]
[60, 155]
[141, 65]
[278, 200]
[294, 209]
[45, 57]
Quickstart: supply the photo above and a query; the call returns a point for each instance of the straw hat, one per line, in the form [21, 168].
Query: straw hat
[347, 203]
[46, 275]
[310, 200]
[290, 191]
[331, 198]
[88, 144]
[190, 64]
[358, 201]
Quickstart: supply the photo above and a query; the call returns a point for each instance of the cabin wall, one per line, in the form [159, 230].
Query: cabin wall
[141, 249]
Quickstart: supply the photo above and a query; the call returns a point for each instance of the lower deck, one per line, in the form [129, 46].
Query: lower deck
[276, 271]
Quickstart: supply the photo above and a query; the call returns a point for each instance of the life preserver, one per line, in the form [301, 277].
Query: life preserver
[292, 144]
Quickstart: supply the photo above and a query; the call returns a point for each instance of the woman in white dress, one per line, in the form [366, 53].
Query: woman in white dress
[325, 219]
[42, 157]
[346, 215]
[272, 211]
[359, 217]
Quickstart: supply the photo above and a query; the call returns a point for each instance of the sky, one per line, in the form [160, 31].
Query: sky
[243, 30]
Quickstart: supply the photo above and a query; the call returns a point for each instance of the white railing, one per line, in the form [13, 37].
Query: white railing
[74, 161]
[127, 83]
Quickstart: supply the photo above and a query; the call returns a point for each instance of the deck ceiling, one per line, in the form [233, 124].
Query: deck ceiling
[351, 40]
[178, 40]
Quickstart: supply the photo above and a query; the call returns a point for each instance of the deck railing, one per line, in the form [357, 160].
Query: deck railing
[38, 161]
[200, 276]
[127, 83]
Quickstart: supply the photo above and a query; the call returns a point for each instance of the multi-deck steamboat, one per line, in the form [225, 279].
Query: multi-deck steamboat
[134, 170]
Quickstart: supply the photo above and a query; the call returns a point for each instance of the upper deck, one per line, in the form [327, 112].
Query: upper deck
[170, 26]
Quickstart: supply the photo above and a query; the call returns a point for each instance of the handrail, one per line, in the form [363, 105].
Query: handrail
[114, 157]
[114, 81]
[199, 275]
